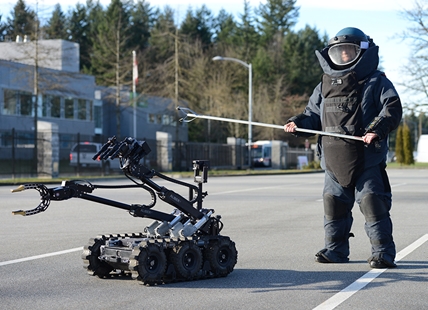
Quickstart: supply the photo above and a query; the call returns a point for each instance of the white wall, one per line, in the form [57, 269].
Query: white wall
[54, 54]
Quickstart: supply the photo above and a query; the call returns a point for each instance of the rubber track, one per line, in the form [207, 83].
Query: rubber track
[165, 243]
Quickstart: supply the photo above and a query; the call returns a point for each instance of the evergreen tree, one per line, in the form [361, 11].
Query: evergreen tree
[176, 62]
[143, 18]
[111, 46]
[164, 58]
[79, 31]
[407, 146]
[399, 145]
[267, 65]
[56, 27]
[225, 29]
[198, 26]
[22, 21]
[277, 17]
[112, 52]
[2, 29]
[247, 36]
[96, 15]
[162, 37]
[302, 69]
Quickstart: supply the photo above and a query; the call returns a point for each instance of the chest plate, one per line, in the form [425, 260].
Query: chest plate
[342, 114]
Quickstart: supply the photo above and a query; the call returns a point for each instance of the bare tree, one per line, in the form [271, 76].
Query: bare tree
[417, 66]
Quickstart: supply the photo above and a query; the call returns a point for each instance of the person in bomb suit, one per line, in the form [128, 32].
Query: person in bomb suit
[353, 98]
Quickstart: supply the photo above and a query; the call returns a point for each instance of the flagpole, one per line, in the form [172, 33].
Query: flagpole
[134, 90]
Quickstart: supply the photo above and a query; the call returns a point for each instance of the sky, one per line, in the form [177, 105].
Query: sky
[380, 19]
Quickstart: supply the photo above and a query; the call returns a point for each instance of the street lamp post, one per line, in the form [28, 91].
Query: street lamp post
[250, 100]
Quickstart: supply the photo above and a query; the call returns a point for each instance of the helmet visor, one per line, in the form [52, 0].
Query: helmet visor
[344, 53]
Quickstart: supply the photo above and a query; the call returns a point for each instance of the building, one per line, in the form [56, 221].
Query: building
[69, 99]
[63, 95]
[153, 114]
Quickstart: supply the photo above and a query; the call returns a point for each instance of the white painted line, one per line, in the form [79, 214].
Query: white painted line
[404, 252]
[20, 260]
[247, 190]
[347, 292]
[398, 185]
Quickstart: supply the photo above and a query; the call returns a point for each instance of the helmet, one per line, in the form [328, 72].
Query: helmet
[347, 46]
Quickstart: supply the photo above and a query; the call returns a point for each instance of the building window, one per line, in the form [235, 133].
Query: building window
[46, 106]
[151, 118]
[172, 120]
[26, 103]
[69, 108]
[20, 139]
[55, 102]
[10, 102]
[91, 110]
[17, 103]
[81, 109]
[164, 119]
[51, 106]
[98, 116]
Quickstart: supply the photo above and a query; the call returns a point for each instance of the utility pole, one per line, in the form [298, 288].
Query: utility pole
[134, 91]
[36, 90]
[177, 160]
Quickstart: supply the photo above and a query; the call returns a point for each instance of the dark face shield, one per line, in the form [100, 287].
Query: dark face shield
[343, 54]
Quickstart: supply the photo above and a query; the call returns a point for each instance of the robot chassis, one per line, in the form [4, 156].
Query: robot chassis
[183, 245]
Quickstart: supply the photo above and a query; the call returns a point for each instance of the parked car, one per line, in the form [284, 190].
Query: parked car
[81, 155]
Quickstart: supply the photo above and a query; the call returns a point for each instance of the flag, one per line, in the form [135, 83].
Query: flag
[134, 68]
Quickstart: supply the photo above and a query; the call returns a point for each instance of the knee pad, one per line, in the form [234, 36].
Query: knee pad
[374, 208]
[335, 209]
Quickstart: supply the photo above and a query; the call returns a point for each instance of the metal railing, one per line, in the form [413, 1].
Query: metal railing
[18, 159]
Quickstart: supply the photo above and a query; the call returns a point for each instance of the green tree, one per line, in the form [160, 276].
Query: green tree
[399, 145]
[56, 27]
[267, 65]
[247, 36]
[111, 46]
[143, 18]
[276, 18]
[302, 69]
[162, 37]
[407, 146]
[159, 58]
[112, 52]
[22, 21]
[225, 29]
[2, 29]
[197, 27]
[175, 61]
[79, 31]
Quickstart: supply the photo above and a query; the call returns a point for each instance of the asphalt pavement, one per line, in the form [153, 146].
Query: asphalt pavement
[276, 222]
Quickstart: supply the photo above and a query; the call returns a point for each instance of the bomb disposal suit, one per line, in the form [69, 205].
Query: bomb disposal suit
[354, 98]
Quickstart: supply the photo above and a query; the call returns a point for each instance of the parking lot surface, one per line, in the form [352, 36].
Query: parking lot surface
[276, 222]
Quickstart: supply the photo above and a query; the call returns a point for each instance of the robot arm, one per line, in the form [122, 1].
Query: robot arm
[130, 151]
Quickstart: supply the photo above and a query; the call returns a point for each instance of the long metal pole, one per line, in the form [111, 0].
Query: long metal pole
[250, 100]
[250, 112]
[134, 93]
[231, 120]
